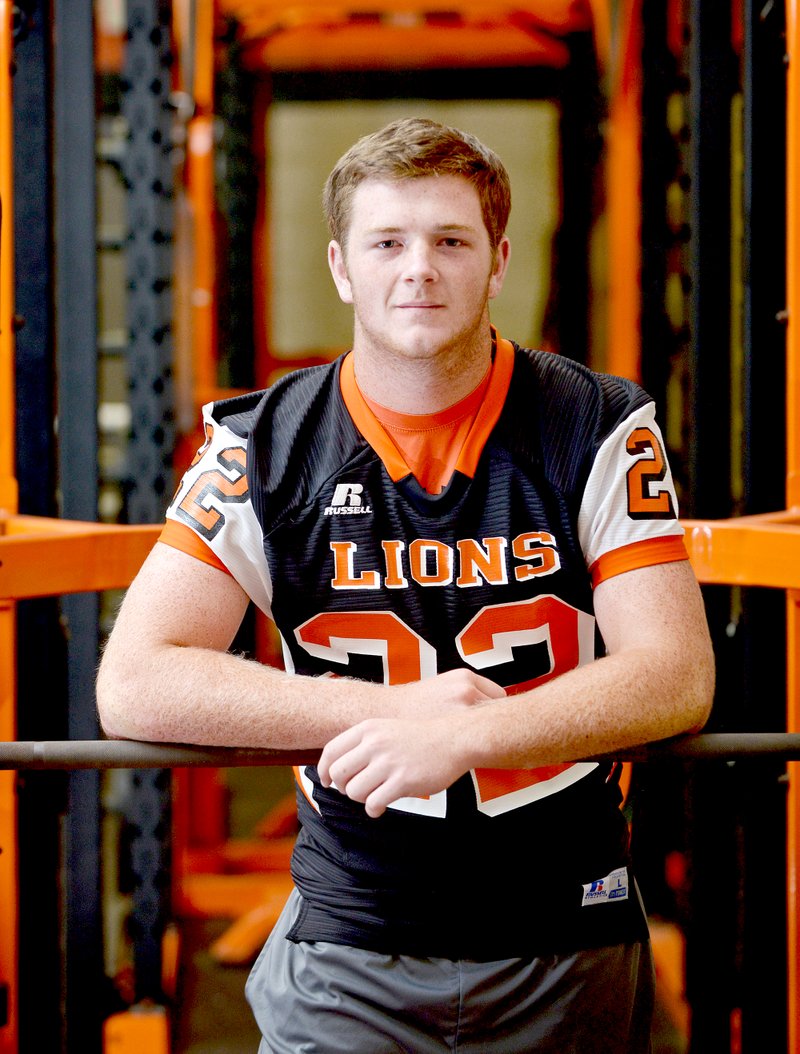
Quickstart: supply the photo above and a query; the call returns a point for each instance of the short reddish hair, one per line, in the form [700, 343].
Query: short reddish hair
[410, 149]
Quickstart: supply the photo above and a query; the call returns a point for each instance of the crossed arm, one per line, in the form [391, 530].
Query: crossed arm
[166, 675]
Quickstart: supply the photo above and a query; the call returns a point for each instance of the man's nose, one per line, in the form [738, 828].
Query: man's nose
[419, 263]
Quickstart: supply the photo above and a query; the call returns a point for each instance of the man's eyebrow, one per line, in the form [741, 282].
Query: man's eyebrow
[445, 227]
[439, 228]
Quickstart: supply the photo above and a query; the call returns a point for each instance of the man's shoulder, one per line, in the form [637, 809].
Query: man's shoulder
[558, 375]
[562, 389]
[296, 392]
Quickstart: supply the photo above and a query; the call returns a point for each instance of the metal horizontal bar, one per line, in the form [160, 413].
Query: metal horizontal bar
[132, 754]
[124, 753]
[720, 745]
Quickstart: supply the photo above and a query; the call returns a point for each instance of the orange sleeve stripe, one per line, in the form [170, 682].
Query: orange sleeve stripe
[647, 553]
[181, 537]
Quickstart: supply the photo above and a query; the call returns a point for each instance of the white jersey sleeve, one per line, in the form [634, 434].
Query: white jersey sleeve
[629, 509]
[211, 516]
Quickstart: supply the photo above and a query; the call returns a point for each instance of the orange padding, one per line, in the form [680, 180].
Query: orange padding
[664, 550]
[140, 1028]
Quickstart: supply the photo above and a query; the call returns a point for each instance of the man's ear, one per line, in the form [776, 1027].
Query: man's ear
[338, 268]
[502, 254]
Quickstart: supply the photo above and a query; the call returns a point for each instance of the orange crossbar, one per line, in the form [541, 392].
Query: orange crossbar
[395, 46]
[747, 551]
[263, 16]
[46, 557]
[403, 33]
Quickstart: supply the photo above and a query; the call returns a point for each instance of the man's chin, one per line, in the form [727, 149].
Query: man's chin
[425, 337]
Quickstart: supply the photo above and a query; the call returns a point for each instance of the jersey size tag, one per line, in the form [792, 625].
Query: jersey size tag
[613, 887]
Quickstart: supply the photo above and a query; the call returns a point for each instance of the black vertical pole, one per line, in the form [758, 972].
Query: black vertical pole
[41, 657]
[76, 343]
[710, 91]
[763, 614]
[149, 178]
[659, 168]
[581, 145]
[713, 847]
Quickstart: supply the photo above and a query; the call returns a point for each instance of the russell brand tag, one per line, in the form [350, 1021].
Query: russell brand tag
[613, 887]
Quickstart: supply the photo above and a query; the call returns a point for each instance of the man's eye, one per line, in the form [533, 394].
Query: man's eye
[387, 243]
[452, 243]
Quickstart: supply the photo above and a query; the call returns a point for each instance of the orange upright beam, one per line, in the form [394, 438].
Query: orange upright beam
[202, 196]
[9, 926]
[793, 253]
[8, 485]
[793, 498]
[623, 174]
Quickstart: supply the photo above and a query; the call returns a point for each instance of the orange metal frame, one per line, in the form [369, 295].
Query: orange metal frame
[9, 925]
[330, 36]
[623, 189]
[793, 501]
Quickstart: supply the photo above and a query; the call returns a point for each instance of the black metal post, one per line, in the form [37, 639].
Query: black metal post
[76, 345]
[41, 649]
[148, 174]
[762, 622]
[567, 325]
[660, 341]
[711, 928]
[711, 88]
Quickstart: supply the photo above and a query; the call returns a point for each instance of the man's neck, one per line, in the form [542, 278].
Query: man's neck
[422, 385]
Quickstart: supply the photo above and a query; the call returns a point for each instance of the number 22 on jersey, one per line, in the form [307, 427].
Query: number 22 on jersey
[485, 642]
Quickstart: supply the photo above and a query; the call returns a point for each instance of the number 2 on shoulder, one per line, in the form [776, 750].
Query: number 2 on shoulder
[645, 501]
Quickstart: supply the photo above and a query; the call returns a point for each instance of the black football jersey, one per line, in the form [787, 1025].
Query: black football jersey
[299, 493]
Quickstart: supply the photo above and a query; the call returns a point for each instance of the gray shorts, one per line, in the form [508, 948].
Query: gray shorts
[321, 998]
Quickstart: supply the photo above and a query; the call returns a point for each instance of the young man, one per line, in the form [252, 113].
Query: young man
[472, 555]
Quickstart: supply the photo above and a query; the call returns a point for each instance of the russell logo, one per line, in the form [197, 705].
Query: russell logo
[613, 887]
[347, 501]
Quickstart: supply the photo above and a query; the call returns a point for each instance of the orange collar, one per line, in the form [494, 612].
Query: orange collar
[488, 414]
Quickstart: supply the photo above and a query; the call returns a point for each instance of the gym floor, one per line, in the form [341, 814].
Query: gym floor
[214, 1017]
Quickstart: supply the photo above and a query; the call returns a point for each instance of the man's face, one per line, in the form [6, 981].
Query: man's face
[418, 267]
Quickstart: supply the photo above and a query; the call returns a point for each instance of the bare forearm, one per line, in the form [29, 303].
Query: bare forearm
[198, 695]
[657, 680]
[167, 674]
[616, 702]
[192, 694]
